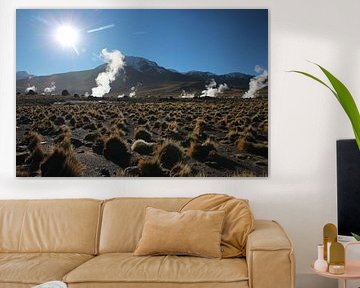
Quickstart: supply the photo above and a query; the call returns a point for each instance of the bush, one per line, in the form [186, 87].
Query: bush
[150, 168]
[65, 92]
[142, 147]
[141, 133]
[61, 163]
[98, 146]
[35, 159]
[246, 146]
[91, 137]
[169, 154]
[181, 170]
[31, 92]
[32, 140]
[116, 151]
[201, 151]
[59, 121]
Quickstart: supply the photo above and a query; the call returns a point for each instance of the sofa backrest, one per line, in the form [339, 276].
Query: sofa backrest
[68, 225]
[123, 220]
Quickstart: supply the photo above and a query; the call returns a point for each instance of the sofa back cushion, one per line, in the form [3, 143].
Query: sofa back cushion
[123, 221]
[31, 226]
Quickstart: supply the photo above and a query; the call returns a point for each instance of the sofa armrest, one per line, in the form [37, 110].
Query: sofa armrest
[270, 257]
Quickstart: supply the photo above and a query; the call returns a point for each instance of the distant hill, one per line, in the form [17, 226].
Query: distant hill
[147, 76]
[20, 75]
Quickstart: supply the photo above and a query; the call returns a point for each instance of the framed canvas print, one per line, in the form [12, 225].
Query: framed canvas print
[142, 93]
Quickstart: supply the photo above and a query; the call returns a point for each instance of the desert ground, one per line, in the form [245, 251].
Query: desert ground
[168, 137]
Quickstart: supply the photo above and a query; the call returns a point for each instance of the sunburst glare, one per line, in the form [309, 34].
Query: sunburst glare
[67, 36]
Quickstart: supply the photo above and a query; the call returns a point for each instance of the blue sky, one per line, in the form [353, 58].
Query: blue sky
[218, 41]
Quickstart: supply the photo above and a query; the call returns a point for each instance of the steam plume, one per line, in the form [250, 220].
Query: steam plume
[184, 94]
[212, 90]
[51, 89]
[28, 89]
[115, 60]
[223, 87]
[132, 92]
[258, 82]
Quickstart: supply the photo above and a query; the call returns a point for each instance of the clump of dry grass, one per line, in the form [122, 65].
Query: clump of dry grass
[72, 121]
[199, 128]
[59, 121]
[164, 125]
[90, 126]
[142, 147]
[35, 159]
[141, 120]
[32, 140]
[116, 151]
[98, 146]
[201, 151]
[21, 157]
[61, 163]
[23, 119]
[151, 168]
[44, 127]
[157, 124]
[141, 133]
[169, 154]
[92, 136]
[120, 124]
[232, 135]
[246, 146]
[181, 170]
[260, 149]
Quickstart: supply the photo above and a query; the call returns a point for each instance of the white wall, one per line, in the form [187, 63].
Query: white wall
[305, 120]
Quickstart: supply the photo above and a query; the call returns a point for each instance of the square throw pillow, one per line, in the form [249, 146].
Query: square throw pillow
[238, 222]
[193, 232]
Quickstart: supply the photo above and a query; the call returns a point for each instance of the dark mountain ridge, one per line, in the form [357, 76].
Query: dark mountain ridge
[145, 75]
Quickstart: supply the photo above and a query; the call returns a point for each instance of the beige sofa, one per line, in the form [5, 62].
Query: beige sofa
[89, 243]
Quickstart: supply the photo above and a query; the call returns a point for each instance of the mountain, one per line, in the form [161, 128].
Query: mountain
[146, 76]
[23, 75]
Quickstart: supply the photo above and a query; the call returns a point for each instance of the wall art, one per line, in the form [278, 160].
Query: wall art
[142, 93]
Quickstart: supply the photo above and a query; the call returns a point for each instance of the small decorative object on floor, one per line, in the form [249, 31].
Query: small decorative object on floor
[52, 284]
[320, 264]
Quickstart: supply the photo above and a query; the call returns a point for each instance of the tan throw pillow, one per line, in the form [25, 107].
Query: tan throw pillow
[196, 233]
[238, 223]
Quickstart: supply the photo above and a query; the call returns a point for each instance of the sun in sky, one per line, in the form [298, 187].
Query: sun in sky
[67, 36]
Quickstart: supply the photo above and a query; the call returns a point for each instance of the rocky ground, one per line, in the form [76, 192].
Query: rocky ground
[64, 136]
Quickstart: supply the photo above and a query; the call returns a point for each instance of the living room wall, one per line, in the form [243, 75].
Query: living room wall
[305, 121]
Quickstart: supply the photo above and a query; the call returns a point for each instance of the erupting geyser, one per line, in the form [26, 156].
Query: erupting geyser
[116, 62]
[258, 82]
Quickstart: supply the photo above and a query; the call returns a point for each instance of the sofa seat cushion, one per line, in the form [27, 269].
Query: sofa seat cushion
[36, 268]
[127, 268]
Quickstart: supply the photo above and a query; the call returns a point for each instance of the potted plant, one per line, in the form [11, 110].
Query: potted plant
[346, 100]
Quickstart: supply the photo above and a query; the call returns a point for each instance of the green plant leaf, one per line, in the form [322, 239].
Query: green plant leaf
[316, 79]
[344, 97]
[346, 100]
[356, 236]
